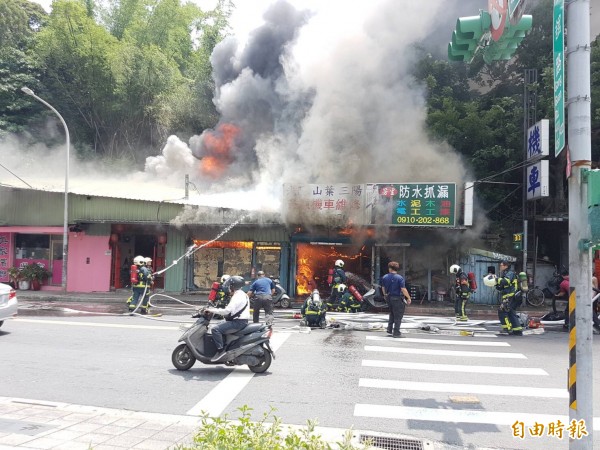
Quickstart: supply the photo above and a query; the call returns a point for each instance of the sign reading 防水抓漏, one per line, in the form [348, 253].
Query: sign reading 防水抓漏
[411, 204]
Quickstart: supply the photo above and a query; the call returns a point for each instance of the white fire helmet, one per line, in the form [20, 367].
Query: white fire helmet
[341, 287]
[454, 268]
[339, 263]
[224, 278]
[139, 260]
[489, 280]
[148, 261]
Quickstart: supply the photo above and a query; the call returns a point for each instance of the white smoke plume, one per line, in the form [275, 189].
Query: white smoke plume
[312, 96]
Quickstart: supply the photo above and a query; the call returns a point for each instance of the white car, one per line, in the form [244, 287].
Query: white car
[8, 302]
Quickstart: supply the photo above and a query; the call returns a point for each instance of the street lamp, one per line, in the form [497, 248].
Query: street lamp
[28, 91]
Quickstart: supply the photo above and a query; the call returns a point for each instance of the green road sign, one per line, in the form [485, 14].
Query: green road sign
[559, 75]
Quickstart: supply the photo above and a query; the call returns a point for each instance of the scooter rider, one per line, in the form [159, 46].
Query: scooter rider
[463, 292]
[236, 314]
[263, 290]
[507, 284]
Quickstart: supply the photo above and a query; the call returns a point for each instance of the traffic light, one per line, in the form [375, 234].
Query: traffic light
[466, 37]
[506, 46]
[518, 241]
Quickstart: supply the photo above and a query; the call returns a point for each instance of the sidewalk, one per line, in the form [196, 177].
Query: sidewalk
[475, 311]
[43, 425]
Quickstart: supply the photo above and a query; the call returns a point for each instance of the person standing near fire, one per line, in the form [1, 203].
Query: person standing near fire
[337, 281]
[397, 297]
[138, 278]
[262, 289]
[507, 285]
[462, 289]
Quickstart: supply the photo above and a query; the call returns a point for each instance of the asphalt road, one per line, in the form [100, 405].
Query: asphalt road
[418, 386]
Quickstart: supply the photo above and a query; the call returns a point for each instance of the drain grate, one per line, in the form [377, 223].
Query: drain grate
[390, 443]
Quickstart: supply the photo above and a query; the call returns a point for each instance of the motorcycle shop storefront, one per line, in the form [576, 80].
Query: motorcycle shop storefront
[248, 250]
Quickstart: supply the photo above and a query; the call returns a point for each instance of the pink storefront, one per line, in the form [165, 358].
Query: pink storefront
[88, 259]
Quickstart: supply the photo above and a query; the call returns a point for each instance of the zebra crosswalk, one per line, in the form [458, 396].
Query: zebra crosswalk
[476, 388]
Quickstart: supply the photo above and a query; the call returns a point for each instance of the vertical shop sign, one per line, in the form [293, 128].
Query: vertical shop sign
[4, 250]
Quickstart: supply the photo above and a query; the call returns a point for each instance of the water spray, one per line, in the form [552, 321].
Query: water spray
[194, 248]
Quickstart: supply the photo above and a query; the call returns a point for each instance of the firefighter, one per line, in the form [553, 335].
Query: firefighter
[337, 284]
[138, 282]
[507, 285]
[222, 298]
[313, 311]
[149, 284]
[349, 303]
[463, 292]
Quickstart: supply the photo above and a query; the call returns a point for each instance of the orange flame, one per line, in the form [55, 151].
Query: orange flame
[221, 244]
[313, 263]
[217, 145]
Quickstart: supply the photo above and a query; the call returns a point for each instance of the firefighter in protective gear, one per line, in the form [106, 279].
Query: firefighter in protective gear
[147, 269]
[507, 285]
[138, 278]
[349, 303]
[223, 296]
[313, 311]
[338, 286]
[462, 290]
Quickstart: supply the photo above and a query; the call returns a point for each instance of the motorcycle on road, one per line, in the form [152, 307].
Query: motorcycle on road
[280, 298]
[249, 346]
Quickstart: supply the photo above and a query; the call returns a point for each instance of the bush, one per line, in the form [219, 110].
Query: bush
[222, 434]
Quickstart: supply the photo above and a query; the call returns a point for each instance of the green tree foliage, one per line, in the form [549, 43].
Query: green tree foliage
[478, 109]
[19, 21]
[126, 76]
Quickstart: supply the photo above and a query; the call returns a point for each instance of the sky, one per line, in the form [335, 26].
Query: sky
[309, 91]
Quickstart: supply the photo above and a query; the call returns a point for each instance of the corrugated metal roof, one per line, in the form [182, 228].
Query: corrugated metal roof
[34, 207]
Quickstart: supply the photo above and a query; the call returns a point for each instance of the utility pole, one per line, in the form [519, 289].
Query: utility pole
[529, 119]
[580, 299]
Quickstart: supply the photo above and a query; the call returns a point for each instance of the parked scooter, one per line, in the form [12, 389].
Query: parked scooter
[248, 346]
[280, 298]
[374, 300]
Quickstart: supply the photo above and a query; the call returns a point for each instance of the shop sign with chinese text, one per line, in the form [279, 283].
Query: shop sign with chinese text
[411, 204]
[315, 202]
[537, 180]
[538, 137]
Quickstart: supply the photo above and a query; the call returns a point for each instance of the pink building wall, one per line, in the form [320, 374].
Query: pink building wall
[88, 263]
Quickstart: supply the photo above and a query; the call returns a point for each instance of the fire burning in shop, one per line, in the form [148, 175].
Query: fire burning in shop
[314, 260]
[221, 244]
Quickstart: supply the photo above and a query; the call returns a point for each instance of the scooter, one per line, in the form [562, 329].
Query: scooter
[373, 300]
[280, 298]
[248, 346]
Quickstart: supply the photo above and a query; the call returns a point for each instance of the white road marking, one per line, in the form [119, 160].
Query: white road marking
[94, 324]
[215, 402]
[426, 351]
[458, 416]
[521, 391]
[440, 341]
[454, 367]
